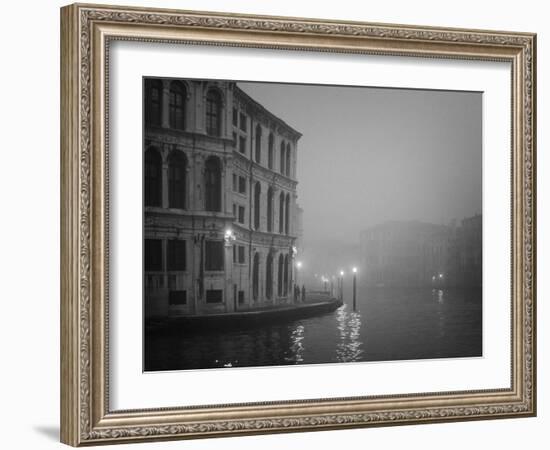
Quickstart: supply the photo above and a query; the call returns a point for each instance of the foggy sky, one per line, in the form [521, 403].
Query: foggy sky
[369, 155]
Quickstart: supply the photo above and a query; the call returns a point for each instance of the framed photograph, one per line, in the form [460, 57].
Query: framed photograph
[273, 224]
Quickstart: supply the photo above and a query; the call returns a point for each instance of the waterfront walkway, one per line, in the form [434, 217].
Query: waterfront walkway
[289, 303]
[316, 303]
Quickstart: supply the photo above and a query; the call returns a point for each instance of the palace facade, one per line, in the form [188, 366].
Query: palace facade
[423, 254]
[220, 203]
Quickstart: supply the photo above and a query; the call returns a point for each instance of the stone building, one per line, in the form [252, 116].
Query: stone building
[220, 202]
[403, 253]
[470, 251]
[416, 254]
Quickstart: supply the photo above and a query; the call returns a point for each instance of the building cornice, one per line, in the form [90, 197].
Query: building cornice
[258, 110]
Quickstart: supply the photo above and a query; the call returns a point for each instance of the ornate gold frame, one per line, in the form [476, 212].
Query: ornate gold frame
[86, 31]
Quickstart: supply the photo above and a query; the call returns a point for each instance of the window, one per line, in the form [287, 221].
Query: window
[280, 276]
[213, 112]
[241, 297]
[281, 212]
[287, 214]
[270, 209]
[269, 276]
[239, 254]
[282, 158]
[176, 255]
[270, 151]
[213, 258]
[177, 298]
[257, 194]
[213, 184]
[258, 148]
[177, 174]
[235, 117]
[234, 210]
[285, 276]
[234, 138]
[176, 108]
[153, 178]
[235, 183]
[242, 122]
[287, 165]
[256, 276]
[242, 185]
[242, 144]
[153, 255]
[214, 296]
[153, 102]
[241, 214]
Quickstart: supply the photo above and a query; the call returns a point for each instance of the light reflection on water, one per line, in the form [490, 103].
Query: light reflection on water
[402, 324]
[348, 348]
[296, 345]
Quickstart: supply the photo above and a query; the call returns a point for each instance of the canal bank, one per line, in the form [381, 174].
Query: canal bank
[314, 304]
[389, 324]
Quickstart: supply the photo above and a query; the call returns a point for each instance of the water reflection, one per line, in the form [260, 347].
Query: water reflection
[439, 296]
[348, 348]
[296, 345]
[402, 324]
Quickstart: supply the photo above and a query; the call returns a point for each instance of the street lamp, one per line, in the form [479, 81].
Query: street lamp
[354, 270]
[342, 285]
[298, 267]
[229, 236]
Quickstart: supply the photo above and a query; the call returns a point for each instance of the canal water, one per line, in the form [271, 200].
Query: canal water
[388, 324]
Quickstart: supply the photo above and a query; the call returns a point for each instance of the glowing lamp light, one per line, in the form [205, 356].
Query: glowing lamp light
[299, 264]
[440, 275]
[354, 270]
[229, 236]
[341, 273]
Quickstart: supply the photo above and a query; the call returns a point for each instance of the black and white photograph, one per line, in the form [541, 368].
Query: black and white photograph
[291, 224]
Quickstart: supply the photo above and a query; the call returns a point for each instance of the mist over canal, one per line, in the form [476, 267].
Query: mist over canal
[388, 324]
[262, 199]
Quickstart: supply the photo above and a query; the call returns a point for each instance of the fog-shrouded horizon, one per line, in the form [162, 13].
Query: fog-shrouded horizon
[370, 155]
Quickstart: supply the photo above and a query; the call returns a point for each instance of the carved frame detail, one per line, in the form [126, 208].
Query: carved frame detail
[86, 32]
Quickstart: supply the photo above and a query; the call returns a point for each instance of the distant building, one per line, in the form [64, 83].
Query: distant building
[420, 254]
[403, 253]
[470, 251]
[220, 200]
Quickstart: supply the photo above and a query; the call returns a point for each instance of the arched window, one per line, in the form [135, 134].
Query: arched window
[285, 282]
[178, 96]
[213, 184]
[177, 174]
[269, 277]
[153, 102]
[287, 214]
[270, 150]
[213, 113]
[270, 209]
[153, 177]
[256, 276]
[287, 165]
[282, 158]
[258, 148]
[257, 194]
[281, 212]
[280, 275]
